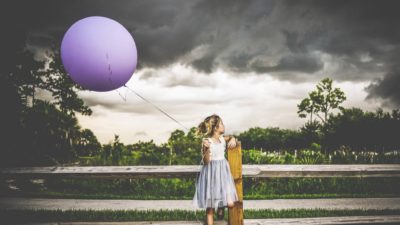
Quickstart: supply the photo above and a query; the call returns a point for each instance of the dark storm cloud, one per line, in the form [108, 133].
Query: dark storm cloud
[369, 27]
[305, 63]
[387, 88]
[361, 37]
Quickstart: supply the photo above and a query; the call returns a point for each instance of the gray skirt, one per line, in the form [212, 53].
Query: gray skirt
[215, 186]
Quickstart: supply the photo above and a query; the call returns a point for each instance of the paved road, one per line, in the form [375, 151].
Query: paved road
[395, 219]
[67, 204]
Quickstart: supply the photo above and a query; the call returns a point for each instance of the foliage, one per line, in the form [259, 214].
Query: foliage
[87, 144]
[183, 188]
[322, 100]
[48, 128]
[363, 130]
[311, 157]
[35, 216]
[272, 138]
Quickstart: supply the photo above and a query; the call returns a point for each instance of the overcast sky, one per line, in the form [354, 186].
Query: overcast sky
[251, 62]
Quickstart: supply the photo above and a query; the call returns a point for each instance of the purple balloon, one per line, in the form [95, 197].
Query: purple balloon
[99, 53]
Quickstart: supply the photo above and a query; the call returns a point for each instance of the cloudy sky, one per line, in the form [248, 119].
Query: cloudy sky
[251, 62]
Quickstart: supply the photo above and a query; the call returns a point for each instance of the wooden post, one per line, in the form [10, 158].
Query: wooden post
[235, 214]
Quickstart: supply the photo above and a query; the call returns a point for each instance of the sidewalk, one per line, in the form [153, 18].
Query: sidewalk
[395, 219]
[68, 204]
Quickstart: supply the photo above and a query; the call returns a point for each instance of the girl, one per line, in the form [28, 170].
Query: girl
[215, 186]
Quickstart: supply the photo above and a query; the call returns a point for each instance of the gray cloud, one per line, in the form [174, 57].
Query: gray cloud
[386, 88]
[134, 105]
[174, 79]
[283, 38]
[299, 63]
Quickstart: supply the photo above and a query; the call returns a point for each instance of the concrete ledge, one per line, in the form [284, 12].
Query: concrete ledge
[395, 219]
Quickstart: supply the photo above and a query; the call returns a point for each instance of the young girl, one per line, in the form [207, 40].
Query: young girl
[215, 187]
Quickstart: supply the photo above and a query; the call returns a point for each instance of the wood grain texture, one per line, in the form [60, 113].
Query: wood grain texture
[235, 214]
[281, 170]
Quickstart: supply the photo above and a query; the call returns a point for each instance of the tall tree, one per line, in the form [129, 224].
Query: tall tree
[28, 75]
[49, 135]
[49, 130]
[323, 100]
[62, 87]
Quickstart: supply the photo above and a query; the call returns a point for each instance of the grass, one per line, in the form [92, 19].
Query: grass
[52, 194]
[21, 216]
[174, 188]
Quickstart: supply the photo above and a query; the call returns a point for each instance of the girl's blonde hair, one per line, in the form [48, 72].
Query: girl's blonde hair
[206, 128]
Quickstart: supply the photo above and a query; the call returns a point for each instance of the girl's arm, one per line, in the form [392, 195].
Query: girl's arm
[231, 141]
[205, 145]
[204, 151]
[228, 137]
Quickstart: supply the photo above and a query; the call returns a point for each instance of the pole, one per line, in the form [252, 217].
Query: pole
[235, 163]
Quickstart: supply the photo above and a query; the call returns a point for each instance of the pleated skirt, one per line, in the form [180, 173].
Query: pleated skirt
[215, 186]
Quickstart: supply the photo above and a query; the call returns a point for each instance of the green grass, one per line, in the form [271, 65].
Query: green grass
[184, 188]
[19, 216]
[311, 196]
[50, 194]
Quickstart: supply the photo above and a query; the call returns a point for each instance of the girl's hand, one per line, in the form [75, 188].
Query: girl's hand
[206, 143]
[232, 143]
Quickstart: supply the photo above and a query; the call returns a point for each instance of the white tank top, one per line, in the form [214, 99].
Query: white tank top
[217, 149]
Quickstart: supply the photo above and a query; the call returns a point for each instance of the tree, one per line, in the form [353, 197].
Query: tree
[49, 135]
[27, 75]
[176, 137]
[49, 131]
[62, 87]
[10, 129]
[87, 145]
[185, 149]
[322, 100]
[30, 74]
[113, 150]
[363, 130]
[271, 138]
[310, 131]
[117, 148]
[148, 153]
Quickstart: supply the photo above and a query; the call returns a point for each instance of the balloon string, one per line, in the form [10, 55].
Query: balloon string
[110, 80]
[155, 106]
[124, 98]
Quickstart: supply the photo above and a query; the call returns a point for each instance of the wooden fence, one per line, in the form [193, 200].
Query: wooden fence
[237, 169]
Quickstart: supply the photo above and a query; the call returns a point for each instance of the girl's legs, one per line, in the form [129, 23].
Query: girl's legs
[230, 202]
[220, 213]
[210, 216]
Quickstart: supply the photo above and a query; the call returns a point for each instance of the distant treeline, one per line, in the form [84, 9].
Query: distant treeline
[362, 131]
[39, 132]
